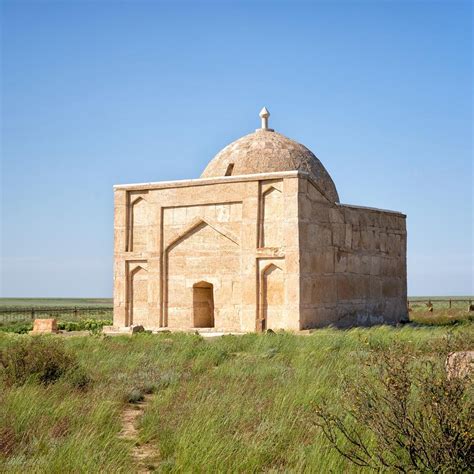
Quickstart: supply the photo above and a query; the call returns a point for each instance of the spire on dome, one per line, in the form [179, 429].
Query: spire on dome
[264, 114]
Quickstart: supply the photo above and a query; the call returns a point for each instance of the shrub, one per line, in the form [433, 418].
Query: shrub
[135, 396]
[405, 414]
[148, 388]
[92, 325]
[69, 326]
[78, 378]
[17, 328]
[167, 379]
[41, 359]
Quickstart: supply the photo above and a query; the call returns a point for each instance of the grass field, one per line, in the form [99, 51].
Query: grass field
[228, 404]
[28, 303]
[18, 313]
[442, 311]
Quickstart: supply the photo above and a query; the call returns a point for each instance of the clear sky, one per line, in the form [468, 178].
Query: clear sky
[101, 93]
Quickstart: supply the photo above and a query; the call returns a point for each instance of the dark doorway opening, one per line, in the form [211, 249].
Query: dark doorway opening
[203, 305]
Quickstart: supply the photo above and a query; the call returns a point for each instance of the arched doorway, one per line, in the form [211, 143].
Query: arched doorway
[203, 305]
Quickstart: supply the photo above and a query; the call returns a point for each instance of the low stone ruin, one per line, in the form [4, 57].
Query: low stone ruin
[45, 326]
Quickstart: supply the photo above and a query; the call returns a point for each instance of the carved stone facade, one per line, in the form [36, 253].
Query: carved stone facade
[267, 250]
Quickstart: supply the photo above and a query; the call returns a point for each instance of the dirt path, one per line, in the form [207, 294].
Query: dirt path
[144, 455]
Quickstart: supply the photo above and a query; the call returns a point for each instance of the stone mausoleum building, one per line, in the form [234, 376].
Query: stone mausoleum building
[259, 241]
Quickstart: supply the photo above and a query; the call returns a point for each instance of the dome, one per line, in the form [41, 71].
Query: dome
[266, 151]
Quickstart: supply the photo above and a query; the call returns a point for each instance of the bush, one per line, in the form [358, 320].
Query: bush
[17, 327]
[135, 396]
[69, 326]
[78, 378]
[41, 359]
[93, 325]
[405, 414]
[167, 379]
[148, 388]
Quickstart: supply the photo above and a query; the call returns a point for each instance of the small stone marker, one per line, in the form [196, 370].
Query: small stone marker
[460, 364]
[45, 326]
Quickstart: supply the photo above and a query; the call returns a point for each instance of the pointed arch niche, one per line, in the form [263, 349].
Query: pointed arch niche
[137, 293]
[272, 296]
[201, 264]
[272, 213]
[137, 222]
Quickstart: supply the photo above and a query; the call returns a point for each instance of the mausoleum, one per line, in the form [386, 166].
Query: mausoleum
[259, 241]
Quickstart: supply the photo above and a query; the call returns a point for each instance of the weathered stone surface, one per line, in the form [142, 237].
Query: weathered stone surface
[460, 364]
[266, 151]
[321, 261]
[262, 244]
[369, 265]
[45, 326]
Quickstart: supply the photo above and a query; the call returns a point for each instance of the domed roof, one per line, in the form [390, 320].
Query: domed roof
[266, 151]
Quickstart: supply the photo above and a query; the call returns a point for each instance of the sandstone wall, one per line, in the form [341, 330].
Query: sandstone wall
[238, 238]
[353, 263]
[264, 251]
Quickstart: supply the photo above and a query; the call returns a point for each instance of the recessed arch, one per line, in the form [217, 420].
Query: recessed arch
[195, 225]
[272, 297]
[271, 218]
[137, 295]
[271, 189]
[196, 255]
[137, 200]
[137, 269]
[138, 221]
[271, 267]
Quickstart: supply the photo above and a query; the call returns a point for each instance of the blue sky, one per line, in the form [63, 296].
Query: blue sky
[100, 93]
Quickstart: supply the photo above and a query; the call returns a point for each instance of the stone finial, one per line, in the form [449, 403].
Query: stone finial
[264, 114]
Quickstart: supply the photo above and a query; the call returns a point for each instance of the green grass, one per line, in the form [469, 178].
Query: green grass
[443, 313]
[435, 298]
[28, 303]
[228, 404]
[19, 327]
[441, 317]
[440, 302]
[19, 310]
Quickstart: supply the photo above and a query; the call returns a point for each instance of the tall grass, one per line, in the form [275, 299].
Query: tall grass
[235, 403]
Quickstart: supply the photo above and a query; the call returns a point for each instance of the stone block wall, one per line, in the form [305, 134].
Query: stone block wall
[353, 263]
[232, 238]
[264, 251]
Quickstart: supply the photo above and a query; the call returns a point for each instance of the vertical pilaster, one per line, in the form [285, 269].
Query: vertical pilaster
[249, 273]
[292, 252]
